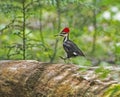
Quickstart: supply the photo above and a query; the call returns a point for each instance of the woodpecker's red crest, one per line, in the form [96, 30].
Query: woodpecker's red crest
[65, 30]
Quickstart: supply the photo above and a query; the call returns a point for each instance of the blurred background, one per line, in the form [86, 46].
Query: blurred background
[28, 29]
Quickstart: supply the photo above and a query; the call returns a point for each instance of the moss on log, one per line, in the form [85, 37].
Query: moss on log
[36, 79]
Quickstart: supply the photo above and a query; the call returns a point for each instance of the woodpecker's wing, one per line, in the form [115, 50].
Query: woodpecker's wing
[72, 49]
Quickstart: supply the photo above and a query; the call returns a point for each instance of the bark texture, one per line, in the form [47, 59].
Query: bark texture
[35, 79]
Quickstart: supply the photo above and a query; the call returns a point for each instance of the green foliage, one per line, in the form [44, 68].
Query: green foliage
[117, 52]
[113, 91]
[102, 72]
[81, 61]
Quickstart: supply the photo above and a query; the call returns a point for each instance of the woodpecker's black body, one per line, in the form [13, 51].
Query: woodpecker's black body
[71, 48]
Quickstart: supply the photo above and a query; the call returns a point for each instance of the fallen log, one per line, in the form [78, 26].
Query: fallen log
[28, 78]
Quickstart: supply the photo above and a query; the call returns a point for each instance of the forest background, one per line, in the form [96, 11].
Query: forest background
[28, 29]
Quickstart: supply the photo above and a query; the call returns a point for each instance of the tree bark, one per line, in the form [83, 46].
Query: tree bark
[36, 79]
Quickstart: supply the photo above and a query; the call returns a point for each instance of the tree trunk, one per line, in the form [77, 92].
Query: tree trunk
[35, 79]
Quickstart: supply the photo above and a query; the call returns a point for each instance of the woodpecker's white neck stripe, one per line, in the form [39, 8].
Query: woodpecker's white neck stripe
[65, 38]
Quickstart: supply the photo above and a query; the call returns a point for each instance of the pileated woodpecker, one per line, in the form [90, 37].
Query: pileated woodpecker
[70, 47]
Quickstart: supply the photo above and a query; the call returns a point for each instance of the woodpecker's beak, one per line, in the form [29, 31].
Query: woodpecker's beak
[61, 34]
[57, 35]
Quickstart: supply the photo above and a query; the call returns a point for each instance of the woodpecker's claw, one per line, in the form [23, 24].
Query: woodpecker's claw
[62, 58]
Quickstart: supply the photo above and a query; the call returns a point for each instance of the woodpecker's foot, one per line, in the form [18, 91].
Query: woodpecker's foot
[66, 60]
[63, 58]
